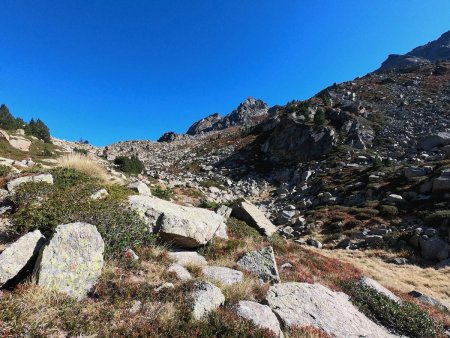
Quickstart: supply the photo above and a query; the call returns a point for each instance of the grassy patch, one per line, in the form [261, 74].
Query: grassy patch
[405, 318]
[163, 193]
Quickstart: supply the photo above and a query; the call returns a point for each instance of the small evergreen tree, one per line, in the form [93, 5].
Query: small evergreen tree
[8, 121]
[319, 118]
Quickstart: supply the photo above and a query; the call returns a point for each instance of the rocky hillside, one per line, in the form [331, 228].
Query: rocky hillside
[437, 50]
[328, 217]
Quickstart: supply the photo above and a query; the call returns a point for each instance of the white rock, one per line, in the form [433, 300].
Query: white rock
[180, 272]
[249, 213]
[223, 275]
[206, 297]
[140, 187]
[185, 258]
[260, 315]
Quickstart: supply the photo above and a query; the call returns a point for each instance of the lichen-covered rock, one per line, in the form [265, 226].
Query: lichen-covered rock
[185, 258]
[140, 187]
[261, 315]
[249, 213]
[72, 261]
[20, 255]
[99, 194]
[182, 226]
[205, 298]
[180, 271]
[46, 178]
[223, 275]
[302, 304]
[262, 263]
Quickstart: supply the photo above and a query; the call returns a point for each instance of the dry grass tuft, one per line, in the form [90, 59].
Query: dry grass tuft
[84, 164]
[404, 278]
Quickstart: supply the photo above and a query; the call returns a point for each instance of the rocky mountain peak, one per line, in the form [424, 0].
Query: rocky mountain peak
[436, 50]
[248, 113]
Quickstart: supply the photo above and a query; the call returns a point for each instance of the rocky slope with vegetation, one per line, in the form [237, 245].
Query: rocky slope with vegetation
[328, 217]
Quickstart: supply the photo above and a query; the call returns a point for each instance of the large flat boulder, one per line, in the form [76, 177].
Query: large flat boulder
[434, 140]
[206, 297]
[260, 315]
[302, 304]
[20, 255]
[72, 261]
[249, 213]
[179, 225]
[371, 283]
[187, 258]
[45, 178]
[262, 263]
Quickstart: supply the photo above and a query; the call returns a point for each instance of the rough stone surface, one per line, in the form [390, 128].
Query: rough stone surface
[262, 263]
[428, 300]
[19, 255]
[185, 258]
[180, 272]
[183, 226]
[141, 188]
[100, 194]
[206, 297]
[72, 261]
[20, 143]
[261, 315]
[442, 183]
[366, 281]
[223, 275]
[305, 304]
[434, 248]
[249, 213]
[46, 178]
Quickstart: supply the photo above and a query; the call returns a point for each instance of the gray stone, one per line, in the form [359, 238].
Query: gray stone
[436, 140]
[369, 282]
[206, 297]
[428, 300]
[45, 178]
[99, 194]
[262, 263]
[260, 315]
[394, 198]
[411, 172]
[72, 261]
[186, 258]
[441, 184]
[434, 248]
[179, 225]
[140, 187]
[224, 211]
[302, 304]
[180, 272]
[249, 213]
[224, 275]
[164, 286]
[20, 254]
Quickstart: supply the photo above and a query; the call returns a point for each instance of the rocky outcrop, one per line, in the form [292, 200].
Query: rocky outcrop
[431, 141]
[224, 275]
[140, 187]
[72, 261]
[44, 178]
[186, 227]
[205, 298]
[261, 263]
[249, 213]
[433, 51]
[302, 304]
[371, 283]
[260, 315]
[249, 113]
[20, 255]
[293, 140]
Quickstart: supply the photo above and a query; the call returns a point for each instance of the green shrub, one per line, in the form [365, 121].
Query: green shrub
[204, 203]
[436, 218]
[130, 165]
[80, 151]
[319, 118]
[43, 206]
[4, 170]
[160, 192]
[388, 210]
[240, 229]
[405, 318]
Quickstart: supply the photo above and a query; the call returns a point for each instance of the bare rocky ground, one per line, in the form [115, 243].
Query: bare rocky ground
[266, 222]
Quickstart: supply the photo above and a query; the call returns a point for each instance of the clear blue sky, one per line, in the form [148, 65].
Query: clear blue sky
[110, 70]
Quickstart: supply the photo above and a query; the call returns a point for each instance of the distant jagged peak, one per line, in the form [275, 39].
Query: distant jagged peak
[436, 50]
[248, 113]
